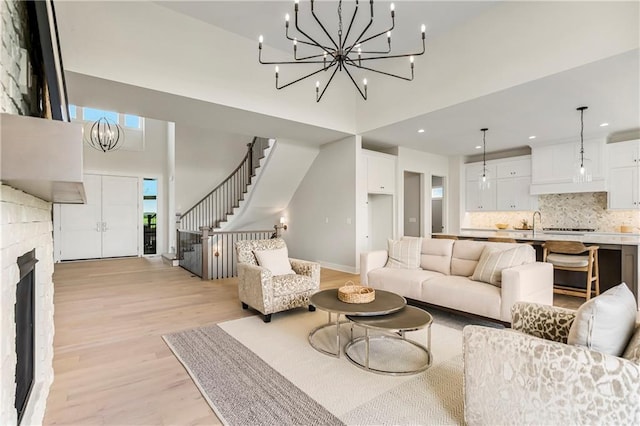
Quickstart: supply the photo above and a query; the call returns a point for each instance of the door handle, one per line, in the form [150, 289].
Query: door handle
[104, 227]
[98, 226]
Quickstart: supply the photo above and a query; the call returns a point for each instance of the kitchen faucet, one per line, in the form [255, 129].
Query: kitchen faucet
[533, 225]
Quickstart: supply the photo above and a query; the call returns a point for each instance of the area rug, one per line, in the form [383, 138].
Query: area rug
[256, 373]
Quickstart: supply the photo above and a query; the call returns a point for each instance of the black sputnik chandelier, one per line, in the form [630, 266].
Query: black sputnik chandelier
[342, 52]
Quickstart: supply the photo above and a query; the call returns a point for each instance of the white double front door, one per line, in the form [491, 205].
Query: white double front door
[106, 226]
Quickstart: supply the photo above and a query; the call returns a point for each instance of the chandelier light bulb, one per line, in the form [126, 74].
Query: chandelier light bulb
[277, 69]
[286, 17]
[317, 85]
[389, 34]
[484, 178]
[411, 59]
[260, 39]
[364, 81]
[295, 41]
[297, 1]
[392, 7]
[423, 28]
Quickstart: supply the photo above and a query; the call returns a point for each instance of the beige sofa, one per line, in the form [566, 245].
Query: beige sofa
[444, 278]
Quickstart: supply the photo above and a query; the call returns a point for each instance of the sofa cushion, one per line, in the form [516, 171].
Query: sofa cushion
[606, 322]
[463, 294]
[404, 253]
[632, 351]
[275, 260]
[436, 255]
[466, 254]
[493, 261]
[291, 284]
[406, 282]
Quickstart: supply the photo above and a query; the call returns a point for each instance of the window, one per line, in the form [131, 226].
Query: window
[73, 113]
[132, 121]
[93, 114]
[150, 214]
[437, 192]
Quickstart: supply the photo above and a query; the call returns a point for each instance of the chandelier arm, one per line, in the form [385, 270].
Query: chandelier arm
[287, 62]
[393, 25]
[353, 17]
[404, 55]
[358, 40]
[313, 13]
[353, 64]
[308, 43]
[308, 57]
[303, 77]
[364, 95]
[305, 34]
[326, 85]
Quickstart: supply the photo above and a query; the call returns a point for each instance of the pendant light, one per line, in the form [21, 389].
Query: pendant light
[582, 167]
[484, 180]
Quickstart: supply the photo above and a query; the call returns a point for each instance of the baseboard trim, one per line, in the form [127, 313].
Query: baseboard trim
[338, 267]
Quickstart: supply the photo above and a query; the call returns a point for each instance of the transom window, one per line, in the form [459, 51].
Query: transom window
[92, 114]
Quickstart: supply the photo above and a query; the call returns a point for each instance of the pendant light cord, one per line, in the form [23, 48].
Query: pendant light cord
[484, 152]
[582, 138]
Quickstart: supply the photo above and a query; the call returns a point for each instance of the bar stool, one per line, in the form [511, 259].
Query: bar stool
[501, 240]
[568, 256]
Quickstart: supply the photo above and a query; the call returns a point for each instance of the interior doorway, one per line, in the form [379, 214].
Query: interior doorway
[412, 204]
[437, 204]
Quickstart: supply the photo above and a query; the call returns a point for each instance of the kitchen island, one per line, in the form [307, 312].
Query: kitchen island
[618, 253]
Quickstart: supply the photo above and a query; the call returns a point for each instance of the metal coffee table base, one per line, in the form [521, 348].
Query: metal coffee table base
[366, 365]
[329, 324]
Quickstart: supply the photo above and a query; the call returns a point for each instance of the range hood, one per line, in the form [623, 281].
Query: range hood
[42, 157]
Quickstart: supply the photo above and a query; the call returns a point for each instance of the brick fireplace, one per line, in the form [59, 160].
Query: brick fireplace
[25, 227]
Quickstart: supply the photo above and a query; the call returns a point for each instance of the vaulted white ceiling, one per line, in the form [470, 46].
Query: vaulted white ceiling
[520, 90]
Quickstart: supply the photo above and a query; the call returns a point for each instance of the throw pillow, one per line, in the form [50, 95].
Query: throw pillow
[275, 260]
[606, 322]
[405, 253]
[492, 261]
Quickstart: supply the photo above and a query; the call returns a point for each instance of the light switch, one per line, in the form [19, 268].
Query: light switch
[326, 220]
[348, 221]
[412, 220]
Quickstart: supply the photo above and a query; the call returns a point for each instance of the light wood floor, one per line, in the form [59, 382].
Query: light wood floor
[112, 366]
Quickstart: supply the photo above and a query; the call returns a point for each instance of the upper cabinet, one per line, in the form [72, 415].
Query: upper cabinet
[381, 172]
[624, 175]
[509, 181]
[553, 168]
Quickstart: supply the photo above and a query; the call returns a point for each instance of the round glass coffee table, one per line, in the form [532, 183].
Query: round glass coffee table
[390, 352]
[385, 303]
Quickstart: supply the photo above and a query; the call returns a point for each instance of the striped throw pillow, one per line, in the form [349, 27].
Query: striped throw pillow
[405, 253]
[492, 261]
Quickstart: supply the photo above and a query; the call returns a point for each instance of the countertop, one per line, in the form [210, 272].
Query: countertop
[585, 237]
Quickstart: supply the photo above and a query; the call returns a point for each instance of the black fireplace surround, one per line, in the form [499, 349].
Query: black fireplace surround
[25, 341]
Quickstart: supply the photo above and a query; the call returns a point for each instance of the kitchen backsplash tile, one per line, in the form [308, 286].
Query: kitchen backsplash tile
[581, 210]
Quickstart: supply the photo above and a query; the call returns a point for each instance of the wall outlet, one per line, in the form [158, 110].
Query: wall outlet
[348, 221]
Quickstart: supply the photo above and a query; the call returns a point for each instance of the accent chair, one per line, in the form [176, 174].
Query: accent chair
[266, 292]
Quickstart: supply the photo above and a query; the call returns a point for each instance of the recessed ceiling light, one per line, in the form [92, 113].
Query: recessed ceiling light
[604, 124]
[420, 130]
[532, 137]
[478, 146]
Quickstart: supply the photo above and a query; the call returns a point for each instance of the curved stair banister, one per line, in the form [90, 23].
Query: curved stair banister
[218, 204]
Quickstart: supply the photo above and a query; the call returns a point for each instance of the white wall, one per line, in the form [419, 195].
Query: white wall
[410, 160]
[204, 158]
[147, 45]
[322, 213]
[509, 44]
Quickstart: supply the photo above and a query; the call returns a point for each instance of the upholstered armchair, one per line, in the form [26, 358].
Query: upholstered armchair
[266, 292]
[530, 375]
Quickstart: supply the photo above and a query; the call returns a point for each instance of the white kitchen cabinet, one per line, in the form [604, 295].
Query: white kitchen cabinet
[624, 175]
[477, 199]
[624, 154]
[509, 186]
[514, 169]
[513, 194]
[474, 171]
[381, 173]
[553, 167]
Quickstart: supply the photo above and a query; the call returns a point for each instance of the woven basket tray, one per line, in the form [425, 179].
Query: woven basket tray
[356, 294]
